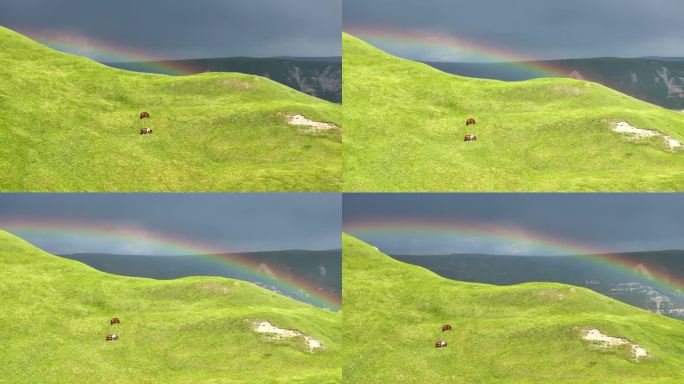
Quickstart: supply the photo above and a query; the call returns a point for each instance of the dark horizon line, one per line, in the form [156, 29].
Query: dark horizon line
[198, 254]
[621, 253]
[652, 58]
[293, 58]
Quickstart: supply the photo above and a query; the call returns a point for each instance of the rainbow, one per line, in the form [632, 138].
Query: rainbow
[239, 264]
[402, 38]
[104, 51]
[407, 228]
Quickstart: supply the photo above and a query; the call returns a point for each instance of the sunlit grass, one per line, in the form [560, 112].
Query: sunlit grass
[405, 122]
[70, 124]
[55, 316]
[528, 333]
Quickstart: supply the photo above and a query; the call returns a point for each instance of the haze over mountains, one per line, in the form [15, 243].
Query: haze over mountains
[317, 76]
[638, 289]
[658, 80]
[321, 268]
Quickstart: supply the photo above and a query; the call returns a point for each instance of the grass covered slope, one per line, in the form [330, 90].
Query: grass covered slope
[529, 333]
[70, 124]
[55, 316]
[405, 122]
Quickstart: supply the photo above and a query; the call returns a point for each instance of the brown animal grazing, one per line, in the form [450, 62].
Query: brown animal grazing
[440, 344]
[446, 327]
[144, 115]
[470, 121]
[469, 138]
[114, 320]
[145, 131]
[112, 337]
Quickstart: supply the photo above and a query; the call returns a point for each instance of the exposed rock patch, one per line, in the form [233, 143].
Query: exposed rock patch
[608, 342]
[311, 125]
[673, 90]
[276, 333]
[639, 133]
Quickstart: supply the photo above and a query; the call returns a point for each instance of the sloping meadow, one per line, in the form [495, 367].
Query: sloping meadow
[70, 124]
[405, 124]
[536, 333]
[56, 315]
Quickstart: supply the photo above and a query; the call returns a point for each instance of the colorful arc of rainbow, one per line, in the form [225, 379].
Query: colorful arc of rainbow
[237, 262]
[413, 227]
[430, 40]
[73, 44]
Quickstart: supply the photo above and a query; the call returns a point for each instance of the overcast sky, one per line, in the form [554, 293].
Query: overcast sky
[188, 29]
[235, 222]
[536, 29]
[611, 222]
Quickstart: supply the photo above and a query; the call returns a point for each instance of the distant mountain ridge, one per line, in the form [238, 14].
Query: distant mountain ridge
[658, 80]
[662, 58]
[635, 289]
[317, 76]
[321, 268]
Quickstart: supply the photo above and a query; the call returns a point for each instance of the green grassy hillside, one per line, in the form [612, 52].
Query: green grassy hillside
[55, 316]
[70, 124]
[529, 333]
[405, 122]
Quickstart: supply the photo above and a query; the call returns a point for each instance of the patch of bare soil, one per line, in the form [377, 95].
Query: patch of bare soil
[311, 125]
[639, 133]
[276, 333]
[607, 342]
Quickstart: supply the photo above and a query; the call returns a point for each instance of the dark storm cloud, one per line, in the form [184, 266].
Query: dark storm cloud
[231, 221]
[614, 222]
[540, 29]
[190, 29]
